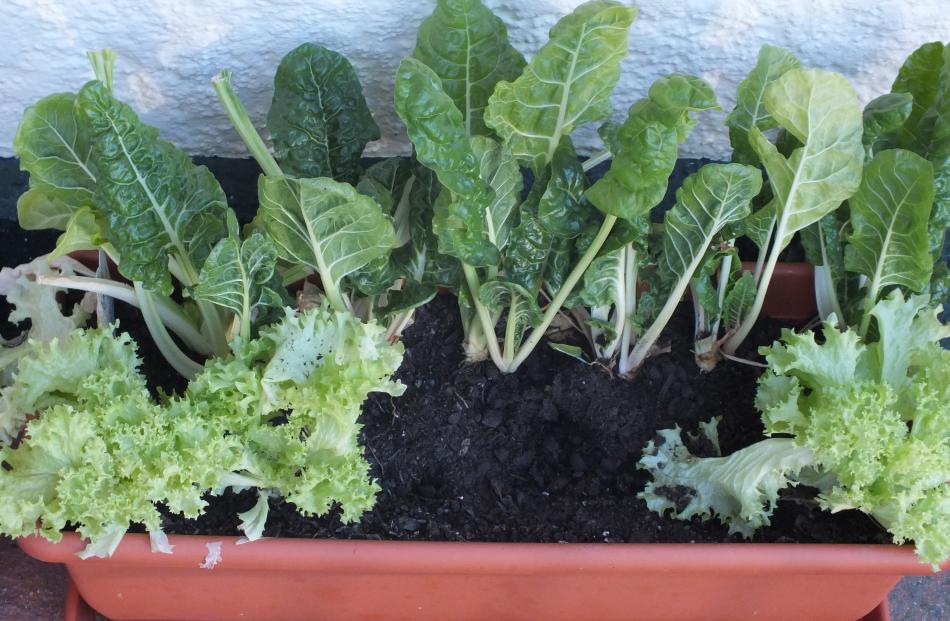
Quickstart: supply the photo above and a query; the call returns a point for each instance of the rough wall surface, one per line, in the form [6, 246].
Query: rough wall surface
[169, 49]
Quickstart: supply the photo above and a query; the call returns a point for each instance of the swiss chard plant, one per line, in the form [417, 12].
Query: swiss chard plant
[476, 113]
[814, 165]
[891, 232]
[363, 232]
[865, 420]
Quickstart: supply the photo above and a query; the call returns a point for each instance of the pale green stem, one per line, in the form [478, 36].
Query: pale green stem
[187, 367]
[102, 63]
[169, 312]
[630, 303]
[510, 333]
[484, 317]
[242, 123]
[569, 283]
[597, 158]
[724, 269]
[397, 325]
[763, 252]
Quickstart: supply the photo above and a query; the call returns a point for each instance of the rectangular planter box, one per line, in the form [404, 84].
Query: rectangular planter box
[335, 580]
[365, 580]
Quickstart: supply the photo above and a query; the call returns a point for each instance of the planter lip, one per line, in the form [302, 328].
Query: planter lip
[472, 558]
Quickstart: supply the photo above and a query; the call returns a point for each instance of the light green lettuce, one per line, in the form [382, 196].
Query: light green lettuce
[867, 422]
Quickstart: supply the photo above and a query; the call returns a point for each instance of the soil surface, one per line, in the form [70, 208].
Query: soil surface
[547, 454]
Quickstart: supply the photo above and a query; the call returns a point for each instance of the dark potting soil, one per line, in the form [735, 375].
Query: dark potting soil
[547, 454]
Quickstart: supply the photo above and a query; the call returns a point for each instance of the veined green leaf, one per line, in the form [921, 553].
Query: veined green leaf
[708, 200]
[242, 277]
[602, 279]
[647, 145]
[466, 45]
[882, 115]
[53, 147]
[85, 230]
[759, 226]
[561, 210]
[157, 202]
[566, 84]
[500, 171]
[385, 181]
[738, 301]
[436, 129]
[820, 109]
[522, 305]
[926, 76]
[889, 217]
[750, 110]
[318, 118]
[324, 224]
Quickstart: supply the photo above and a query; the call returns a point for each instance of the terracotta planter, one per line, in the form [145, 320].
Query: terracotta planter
[356, 580]
[330, 580]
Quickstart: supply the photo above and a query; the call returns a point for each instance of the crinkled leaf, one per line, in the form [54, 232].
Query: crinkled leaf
[242, 277]
[925, 75]
[561, 208]
[708, 200]
[437, 131]
[889, 217]
[882, 115]
[324, 224]
[566, 84]
[467, 47]
[318, 119]
[738, 300]
[500, 171]
[85, 230]
[53, 146]
[518, 302]
[750, 110]
[647, 145]
[158, 204]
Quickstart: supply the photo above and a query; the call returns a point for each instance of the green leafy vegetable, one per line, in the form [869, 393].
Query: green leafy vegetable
[466, 45]
[318, 118]
[869, 426]
[566, 84]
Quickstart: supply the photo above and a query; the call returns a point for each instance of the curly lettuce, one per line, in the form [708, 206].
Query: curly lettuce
[280, 415]
[866, 422]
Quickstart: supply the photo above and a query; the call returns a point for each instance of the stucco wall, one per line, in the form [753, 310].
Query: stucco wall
[169, 49]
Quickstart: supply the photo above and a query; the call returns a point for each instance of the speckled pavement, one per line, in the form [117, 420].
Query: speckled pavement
[31, 590]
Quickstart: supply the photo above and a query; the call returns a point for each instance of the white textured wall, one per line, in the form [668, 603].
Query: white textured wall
[169, 49]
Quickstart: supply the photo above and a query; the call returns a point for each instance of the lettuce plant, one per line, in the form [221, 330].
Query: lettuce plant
[864, 420]
[474, 113]
[278, 416]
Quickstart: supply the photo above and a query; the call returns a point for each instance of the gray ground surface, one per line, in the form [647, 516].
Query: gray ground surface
[31, 590]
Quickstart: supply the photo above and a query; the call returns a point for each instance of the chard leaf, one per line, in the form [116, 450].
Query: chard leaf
[602, 279]
[158, 204]
[528, 250]
[821, 111]
[738, 301]
[85, 230]
[709, 199]
[385, 181]
[750, 110]
[760, 224]
[436, 129]
[242, 277]
[521, 304]
[646, 146]
[566, 84]
[889, 217]
[53, 146]
[499, 170]
[466, 45]
[925, 75]
[940, 215]
[324, 224]
[318, 119]
[560, 208]
[883, 115]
